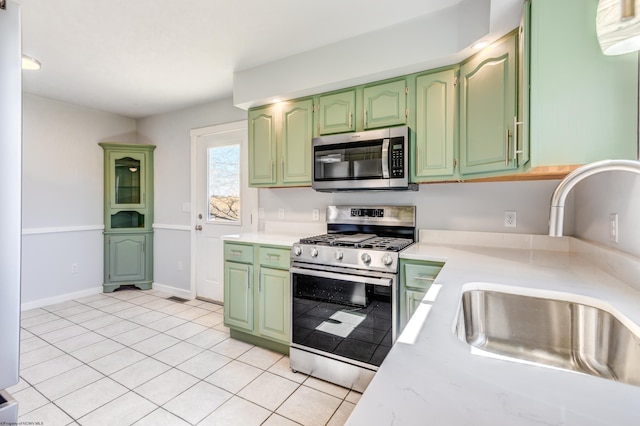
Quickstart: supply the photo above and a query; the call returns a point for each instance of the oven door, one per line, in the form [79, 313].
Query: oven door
[343, 316]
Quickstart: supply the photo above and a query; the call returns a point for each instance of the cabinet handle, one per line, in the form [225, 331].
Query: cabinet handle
[259, 283]
[366, 118]
[506, 149]
[236, 252]
[283, 167]
[350, 118]
[272, 170]
[272, 256]
[424, 278]
[516, 151]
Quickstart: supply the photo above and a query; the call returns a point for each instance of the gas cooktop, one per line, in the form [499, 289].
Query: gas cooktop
[370, 241]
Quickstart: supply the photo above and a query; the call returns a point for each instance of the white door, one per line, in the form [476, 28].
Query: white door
[222, 202]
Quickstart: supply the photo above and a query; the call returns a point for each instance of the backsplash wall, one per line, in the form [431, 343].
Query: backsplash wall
[600, 195]
[448, 206]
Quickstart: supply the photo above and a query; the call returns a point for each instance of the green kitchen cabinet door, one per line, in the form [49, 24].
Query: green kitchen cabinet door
[262, 146]
[416, 277]
[487, 109]
[412, 299]
[435, 126]
[385, 104]
[274, 304]
[126, 257]
[127, 171]
[337, 113]
[297, 132]
[238, 295]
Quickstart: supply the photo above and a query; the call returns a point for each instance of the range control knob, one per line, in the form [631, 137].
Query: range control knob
[365, 258]
[338, 255]
[314, 252]
[387, 260]
[297, 250]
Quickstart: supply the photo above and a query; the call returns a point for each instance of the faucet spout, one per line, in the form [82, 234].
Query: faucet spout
[556, 214]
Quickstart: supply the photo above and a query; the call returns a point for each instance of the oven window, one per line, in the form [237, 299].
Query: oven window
[345, 318]
[348, 161]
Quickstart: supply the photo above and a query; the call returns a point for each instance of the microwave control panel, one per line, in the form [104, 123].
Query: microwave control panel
[397, 159]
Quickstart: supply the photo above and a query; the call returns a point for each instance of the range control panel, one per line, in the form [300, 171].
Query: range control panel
[367, 212]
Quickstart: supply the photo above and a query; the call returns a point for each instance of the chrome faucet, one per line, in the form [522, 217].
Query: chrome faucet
[556, 216]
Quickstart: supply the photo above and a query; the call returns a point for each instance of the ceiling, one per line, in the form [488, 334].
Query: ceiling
[145, 57]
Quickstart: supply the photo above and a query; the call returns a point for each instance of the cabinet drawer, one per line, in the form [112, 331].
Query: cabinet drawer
[421, 276]
[238, 253]
[275, 257]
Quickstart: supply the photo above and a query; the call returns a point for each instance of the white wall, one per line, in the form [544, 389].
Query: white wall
[450, 206]
[62, 215]
[598, 196]
[171, 134]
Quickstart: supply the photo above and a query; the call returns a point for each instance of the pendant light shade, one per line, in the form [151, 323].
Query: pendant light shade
[618, 26]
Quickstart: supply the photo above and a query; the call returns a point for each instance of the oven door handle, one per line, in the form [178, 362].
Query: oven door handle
[387, 282]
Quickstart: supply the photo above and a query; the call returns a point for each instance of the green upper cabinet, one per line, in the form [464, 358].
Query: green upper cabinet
[435, 126]
[584, 104]
[262, 145]
[280, 144]
[488, 83]
[336, 112]
[297, 130]
[385, 104]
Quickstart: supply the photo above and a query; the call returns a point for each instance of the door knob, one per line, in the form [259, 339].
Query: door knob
[198, 227]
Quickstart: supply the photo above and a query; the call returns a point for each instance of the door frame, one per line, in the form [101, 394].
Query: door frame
[195, 134]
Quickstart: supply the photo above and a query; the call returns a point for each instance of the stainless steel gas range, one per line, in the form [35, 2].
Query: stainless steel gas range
[344, 293]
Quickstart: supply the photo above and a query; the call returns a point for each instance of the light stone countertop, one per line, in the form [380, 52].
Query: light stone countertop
[272, 239]
[437, 381]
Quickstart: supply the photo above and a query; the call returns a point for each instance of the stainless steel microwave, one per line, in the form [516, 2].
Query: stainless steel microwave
[370, 160]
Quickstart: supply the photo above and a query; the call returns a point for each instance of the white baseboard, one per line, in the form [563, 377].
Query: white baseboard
[61, 298]
[184, 294]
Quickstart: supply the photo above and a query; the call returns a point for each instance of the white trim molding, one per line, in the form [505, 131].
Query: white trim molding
[60, 298]
[62, 229]
[172, 227]
[184, 294]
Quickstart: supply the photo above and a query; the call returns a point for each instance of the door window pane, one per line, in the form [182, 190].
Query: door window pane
[224, 183]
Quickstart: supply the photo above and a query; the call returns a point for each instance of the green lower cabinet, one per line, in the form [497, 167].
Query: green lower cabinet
[238, 295]
[257, 294]
[274, 304]
[416, 277]
[128, 261]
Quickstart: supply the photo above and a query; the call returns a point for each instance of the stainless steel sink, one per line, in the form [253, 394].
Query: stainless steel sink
[566, 332]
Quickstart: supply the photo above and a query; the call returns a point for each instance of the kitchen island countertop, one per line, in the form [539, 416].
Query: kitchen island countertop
[437, 381]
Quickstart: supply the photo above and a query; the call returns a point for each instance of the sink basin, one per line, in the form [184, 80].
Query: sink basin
[552, 329]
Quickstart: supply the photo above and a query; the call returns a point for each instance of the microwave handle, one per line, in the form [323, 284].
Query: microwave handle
[385, 158]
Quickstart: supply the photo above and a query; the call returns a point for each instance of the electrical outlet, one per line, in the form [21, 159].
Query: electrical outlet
[510, 219]
[316, 214]
[280, 213]
[74, 268]
[613, 227]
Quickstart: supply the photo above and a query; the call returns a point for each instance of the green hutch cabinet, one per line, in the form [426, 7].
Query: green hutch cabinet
[128, 215]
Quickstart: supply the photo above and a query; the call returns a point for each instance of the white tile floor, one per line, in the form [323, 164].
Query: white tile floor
[135, 357]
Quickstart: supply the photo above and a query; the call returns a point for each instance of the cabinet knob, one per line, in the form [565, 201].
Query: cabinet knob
[198, 227]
